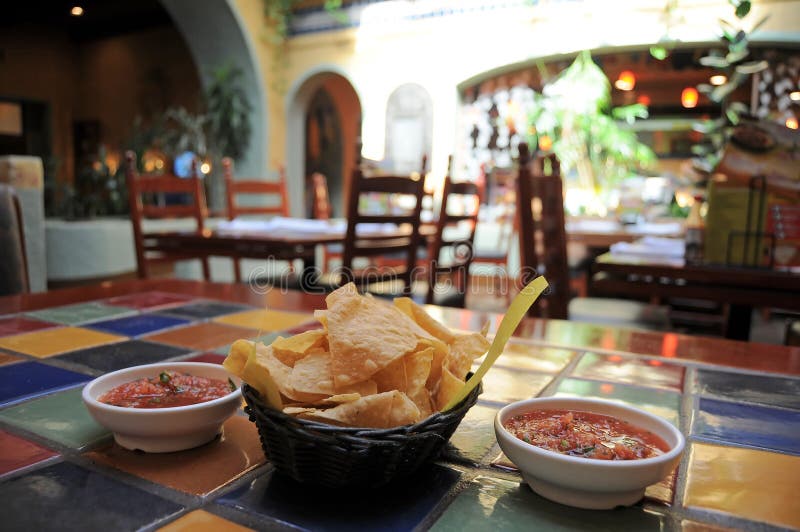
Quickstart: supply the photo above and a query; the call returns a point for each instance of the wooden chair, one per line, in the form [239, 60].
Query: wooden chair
[467, 196]
[13, 259]
[236, 187]
[370, 244]
[543, 251]
[142, 189]
[501, 183]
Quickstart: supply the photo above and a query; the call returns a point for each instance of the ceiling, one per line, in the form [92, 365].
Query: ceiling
[101, 18]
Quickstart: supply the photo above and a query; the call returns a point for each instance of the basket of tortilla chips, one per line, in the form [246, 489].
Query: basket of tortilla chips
[357, 402]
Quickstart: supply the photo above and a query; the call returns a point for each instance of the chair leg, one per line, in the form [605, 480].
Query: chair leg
[206, 269]
[237, 274]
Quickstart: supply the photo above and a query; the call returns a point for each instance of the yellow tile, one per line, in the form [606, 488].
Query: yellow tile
[266, 320]
[49, 342]
[202, 521]
[756, 485]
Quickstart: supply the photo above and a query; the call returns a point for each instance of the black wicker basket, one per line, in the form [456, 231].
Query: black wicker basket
[326, 455]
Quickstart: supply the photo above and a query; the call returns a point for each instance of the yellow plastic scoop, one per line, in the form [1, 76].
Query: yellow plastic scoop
[516, 311]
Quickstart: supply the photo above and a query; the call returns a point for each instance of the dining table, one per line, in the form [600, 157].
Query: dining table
[737, 403]
[742, 289]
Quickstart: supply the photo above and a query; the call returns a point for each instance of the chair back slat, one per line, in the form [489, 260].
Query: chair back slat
[142, 190]
[542, 233]
[234, 187]
[358, 244]
[470, 195]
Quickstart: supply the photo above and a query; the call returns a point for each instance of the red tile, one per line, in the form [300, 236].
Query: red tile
[21, 324]
[16, 453]
[5, 358]
[149, 300]
[631, 370]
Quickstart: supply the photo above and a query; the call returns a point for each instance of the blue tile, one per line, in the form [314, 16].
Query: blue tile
[138, 325]
[204, 310]
[29, 379]
[112, 357]
[756, 426]
[67, 497]
[762, 389]
[398, 507]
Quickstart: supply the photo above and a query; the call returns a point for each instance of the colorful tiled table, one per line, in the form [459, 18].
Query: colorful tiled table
[737, 404]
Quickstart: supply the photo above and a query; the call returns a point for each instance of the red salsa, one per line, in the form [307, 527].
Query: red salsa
[166, 390]
[586, 435]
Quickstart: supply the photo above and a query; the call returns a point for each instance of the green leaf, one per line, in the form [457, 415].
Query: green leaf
[705, 88]
[743, 9]
[752, 67]
[735, 57]
[659, 52]
[714, 61]
[732, 115]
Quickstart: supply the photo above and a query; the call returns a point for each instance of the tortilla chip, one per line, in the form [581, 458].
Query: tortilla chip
[449, 386]
[237, 357]
[423, 319]
[258, 376]
[403, 411]
[290, 350]
[418, 367]
[463, 351]
[312, 374]
[370, 412]
[343, 292]
[365, 336]
[322, 317]
[392, 377]
[367, 387]
[281, 373]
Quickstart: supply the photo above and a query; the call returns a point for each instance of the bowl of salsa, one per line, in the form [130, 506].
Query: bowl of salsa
[164, 407]
[587, 453]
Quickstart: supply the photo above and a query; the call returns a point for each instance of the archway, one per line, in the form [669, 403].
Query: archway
[215, 37]
[323, 99]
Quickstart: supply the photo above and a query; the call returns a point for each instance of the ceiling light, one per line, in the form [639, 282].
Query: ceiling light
[689, 97]
[794, 96]
[626, 81]
[717, 80]
[76, 11]
[791, 122]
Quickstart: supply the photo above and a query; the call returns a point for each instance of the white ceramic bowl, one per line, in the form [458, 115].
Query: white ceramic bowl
[162, 430]
[586, 482]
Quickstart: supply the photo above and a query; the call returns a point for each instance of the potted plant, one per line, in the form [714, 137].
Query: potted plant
[574, 113]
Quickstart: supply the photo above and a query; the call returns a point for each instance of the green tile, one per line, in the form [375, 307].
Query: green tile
[265, 339]
[504, 385]
[495, 504]
[60, 417]
[80, 313]
[662, 403]
[475, 435]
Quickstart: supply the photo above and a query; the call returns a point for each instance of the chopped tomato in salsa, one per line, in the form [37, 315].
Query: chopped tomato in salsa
[585, 434]
[167, 390]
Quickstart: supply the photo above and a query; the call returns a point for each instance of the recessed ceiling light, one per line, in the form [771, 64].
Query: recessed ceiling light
[794, 96]
[719, 79]
[76, 11]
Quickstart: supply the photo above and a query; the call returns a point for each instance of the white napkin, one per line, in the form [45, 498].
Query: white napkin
[651, 246]
[281, 224]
